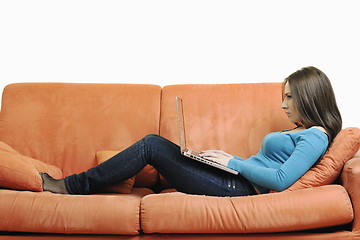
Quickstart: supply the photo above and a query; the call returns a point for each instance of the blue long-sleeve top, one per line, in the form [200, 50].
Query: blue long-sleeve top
[283, 158]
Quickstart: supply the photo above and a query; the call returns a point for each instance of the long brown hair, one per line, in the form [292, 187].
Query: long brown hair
[315, 100]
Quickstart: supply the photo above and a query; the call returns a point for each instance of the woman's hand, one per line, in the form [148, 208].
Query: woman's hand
[217, 156]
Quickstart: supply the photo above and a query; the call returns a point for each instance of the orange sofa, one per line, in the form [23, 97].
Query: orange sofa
[66, 128]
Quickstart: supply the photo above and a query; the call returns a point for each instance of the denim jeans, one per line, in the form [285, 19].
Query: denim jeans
[184, 174]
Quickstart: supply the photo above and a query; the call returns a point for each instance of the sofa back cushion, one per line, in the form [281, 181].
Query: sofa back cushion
[65, 124]
[230, 117]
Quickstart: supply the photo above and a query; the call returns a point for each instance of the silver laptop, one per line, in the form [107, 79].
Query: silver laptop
[182, 139]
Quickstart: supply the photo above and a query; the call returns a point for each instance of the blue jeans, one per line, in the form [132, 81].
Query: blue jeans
[184, 174]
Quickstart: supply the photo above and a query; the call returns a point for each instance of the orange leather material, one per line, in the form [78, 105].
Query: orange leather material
[230, 117]
[46, 212]
[341, 235]
[328, 169]
[288, 211]
[64, 124]
[122, 187]
[350, 178]
[21, 172]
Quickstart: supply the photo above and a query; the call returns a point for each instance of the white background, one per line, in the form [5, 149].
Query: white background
[172, 42]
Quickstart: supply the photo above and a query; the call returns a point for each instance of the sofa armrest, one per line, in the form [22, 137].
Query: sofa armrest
[350, 178]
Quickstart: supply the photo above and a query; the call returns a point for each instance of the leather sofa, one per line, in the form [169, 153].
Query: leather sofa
[65, 128]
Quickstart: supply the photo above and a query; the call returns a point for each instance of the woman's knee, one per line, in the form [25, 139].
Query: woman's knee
[153, 138]
[158, 143]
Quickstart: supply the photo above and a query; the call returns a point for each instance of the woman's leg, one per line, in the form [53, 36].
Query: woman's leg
[186, 175]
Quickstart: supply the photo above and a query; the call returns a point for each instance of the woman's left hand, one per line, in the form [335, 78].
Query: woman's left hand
[218, 156]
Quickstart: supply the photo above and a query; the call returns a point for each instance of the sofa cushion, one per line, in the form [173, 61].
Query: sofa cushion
[231, 117]
[65, 124]
[25, 211]
[122, 187]
[328, 169]
[22, 172]
[278, 212]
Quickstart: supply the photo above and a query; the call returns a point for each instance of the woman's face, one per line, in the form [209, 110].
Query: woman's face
[289, 106]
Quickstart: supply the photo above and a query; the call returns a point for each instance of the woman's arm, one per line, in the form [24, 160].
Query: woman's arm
[309, 148]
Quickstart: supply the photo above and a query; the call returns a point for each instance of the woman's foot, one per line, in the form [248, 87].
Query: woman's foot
[53, 185]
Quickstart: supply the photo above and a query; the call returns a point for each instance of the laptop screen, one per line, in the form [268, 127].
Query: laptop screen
[181, 123]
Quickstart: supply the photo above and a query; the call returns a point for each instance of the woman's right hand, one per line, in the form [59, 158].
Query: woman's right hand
[218, 156]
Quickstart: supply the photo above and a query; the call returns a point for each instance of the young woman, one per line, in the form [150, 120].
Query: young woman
[308, 101]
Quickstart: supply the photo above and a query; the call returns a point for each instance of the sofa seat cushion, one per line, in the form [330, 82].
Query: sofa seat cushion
[21, 172]
[277, 212]
[24, 211]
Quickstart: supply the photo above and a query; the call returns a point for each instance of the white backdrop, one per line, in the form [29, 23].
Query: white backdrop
[187, 41]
